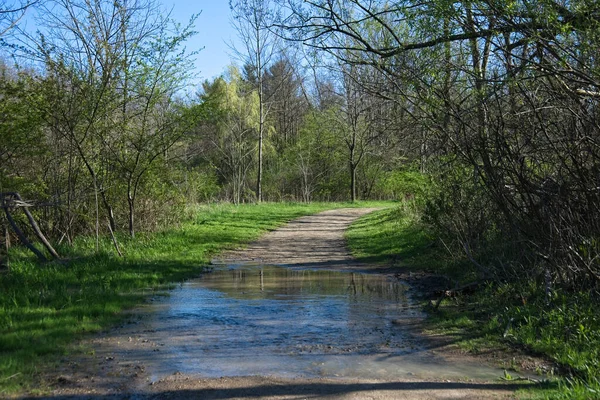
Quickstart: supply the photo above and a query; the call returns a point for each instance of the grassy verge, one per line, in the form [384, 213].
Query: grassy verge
[564, 328]
[44, 308]
[395, 236]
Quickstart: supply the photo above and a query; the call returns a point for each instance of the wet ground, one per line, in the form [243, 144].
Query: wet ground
[278, 321]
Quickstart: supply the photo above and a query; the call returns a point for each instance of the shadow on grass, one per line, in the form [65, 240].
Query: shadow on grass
[388, 236]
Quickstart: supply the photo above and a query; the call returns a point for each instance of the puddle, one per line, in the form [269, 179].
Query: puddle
[295, 323]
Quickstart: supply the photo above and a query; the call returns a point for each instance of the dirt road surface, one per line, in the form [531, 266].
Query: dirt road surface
[114, 364]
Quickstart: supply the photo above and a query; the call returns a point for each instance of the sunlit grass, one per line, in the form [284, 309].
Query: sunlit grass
[396, 237]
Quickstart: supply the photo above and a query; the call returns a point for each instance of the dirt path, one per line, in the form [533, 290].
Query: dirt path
[118, 360]
[314, 241]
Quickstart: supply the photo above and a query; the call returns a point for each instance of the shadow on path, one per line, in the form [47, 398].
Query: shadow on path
[433, 390]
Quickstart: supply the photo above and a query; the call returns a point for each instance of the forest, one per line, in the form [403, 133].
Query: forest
[483, 115]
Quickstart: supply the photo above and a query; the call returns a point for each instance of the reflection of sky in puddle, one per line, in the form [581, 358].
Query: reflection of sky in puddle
[286, 322]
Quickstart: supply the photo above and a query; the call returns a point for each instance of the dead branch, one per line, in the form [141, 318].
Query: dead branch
[114, 239]
[17, 201]
[468, 288]
[22, 236]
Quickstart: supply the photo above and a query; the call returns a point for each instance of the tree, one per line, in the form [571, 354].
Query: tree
[253, 20]
[316, 160]
[109, 75]
[361, 119]
[21, 139]
[505, 88]
[20, 126]
[156, 69]
[287, 105]
[231, 118]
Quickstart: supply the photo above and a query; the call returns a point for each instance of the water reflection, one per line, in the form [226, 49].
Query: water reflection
[277, 282]
[290, 322]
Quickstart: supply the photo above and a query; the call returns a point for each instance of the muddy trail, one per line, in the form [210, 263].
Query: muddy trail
[293, 316]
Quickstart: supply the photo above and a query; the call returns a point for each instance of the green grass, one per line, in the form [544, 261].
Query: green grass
[564, 329]
[395, 236]
[385, 234]
[44, 308]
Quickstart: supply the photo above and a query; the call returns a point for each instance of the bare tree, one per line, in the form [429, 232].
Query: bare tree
[253, 20]
[12, 13]
[286, 103]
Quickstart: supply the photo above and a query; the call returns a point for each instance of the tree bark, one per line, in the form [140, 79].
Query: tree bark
[35, 227]
[40, 235]
[260, 164]
[261, 116]
[22, 236]
[114, 239]
[353, 181]
[130, 201]
[4, 262]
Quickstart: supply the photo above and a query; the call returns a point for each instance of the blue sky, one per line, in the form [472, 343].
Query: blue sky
[214, 33]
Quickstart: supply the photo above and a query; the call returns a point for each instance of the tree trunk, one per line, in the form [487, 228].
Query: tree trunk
[130, 201]
[111, 215]
[97, 230]
[260, 162]
[22, 236]
[40, 235]
[353, 181]
[261, 128]
[100, 190]
[35, 227]
[5, 246]
[352, 164]
[115, 243]
[424, 153]
[305, 187]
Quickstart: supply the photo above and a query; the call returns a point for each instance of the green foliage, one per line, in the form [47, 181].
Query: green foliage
[563, 328]
[228, 98]
[406, 183]
[315, 161]
[20, 130]
[231, 126]
[566, 326]
[470, 225]
[203, 185]
[99, 118]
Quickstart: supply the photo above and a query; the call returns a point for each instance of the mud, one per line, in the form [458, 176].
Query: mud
[293, 323]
